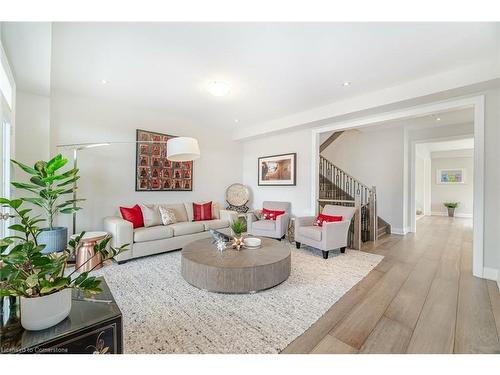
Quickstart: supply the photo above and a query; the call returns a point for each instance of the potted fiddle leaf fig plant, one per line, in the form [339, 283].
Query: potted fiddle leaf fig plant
[40, 280]
[49, 187]
[451, 208]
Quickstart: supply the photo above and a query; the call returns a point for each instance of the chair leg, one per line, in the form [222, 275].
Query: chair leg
[297, 245]
[325, 254]
[342, 250]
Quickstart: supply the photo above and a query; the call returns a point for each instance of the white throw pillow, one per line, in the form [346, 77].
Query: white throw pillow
[151, 215]
[167, 216]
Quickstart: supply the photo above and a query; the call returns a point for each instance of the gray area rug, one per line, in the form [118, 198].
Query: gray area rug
[164, 314]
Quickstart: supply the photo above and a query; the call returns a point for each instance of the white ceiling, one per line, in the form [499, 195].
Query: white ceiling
[275, 69]
[28, 47]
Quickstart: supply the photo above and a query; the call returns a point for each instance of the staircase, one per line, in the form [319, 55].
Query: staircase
[339, 188]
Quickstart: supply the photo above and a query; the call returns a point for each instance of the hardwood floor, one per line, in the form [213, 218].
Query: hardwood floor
[422, 298]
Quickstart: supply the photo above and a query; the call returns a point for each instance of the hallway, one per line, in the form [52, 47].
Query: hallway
[422, 298]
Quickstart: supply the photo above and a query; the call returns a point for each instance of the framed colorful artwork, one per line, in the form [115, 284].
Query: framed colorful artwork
[277, 170]
[450, 176]
[154, 172]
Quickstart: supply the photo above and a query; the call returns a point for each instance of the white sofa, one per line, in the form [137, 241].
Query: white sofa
[328, 237]
[158, 239]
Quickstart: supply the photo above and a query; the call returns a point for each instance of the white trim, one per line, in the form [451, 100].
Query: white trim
[490, 274]
[412, 161]
[477, 102]
[461, 215]
[400, 231]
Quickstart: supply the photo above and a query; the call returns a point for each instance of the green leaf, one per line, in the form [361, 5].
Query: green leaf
[55, 163]
[18, 228]
[25, 167]
[36, 201]
[69, 202]
[70, 181]
[37, 181]
[70, 210]
[22, 185]
[16, 203]
[57, 284]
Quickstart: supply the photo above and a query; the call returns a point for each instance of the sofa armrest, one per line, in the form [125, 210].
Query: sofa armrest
[304, 221]
[335, 234]
[122, 232]
[282, 222]
[229, 215]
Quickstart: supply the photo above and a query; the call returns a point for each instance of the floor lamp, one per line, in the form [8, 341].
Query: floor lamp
[178, 149]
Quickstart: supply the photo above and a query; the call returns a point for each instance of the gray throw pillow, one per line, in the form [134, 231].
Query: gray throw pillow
[151, 215]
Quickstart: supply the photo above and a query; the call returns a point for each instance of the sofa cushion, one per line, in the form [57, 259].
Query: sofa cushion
[184, 228]
[269, 225]
[270, 214]
[159, 232]
[133, 214]
[214, 224]
[326, 219]
[202, 211]
[167, 215]
[189, 210]
[151, 215]
[179, 210]
[313, 232]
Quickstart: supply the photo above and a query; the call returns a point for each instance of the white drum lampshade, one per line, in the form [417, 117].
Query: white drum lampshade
[182, 149]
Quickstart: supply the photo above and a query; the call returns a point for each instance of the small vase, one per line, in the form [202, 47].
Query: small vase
[451, 212]
[43, 312]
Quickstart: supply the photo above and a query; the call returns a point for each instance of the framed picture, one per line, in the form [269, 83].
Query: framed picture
[154, 172]
[450, 176]
[277, 170]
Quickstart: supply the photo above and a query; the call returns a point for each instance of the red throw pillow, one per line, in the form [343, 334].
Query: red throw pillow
[271, 214]
[326, 218]
[202, 211]
[134, 215]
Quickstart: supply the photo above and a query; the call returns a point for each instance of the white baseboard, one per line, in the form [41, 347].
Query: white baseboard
[491, 274]
[400, 231]
[467, 216]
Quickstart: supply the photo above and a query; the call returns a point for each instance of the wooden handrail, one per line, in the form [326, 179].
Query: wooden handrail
[328, 162]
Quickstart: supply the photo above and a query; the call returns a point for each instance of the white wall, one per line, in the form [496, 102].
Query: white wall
[108, 173]
[32, 128]
[420, 183]
[375, 158]
[299, 195]
[462, 193]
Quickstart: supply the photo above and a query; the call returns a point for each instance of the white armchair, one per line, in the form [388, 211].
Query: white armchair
[328, 237]
[270, 228]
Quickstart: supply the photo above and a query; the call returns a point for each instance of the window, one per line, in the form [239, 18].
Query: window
[5, 85]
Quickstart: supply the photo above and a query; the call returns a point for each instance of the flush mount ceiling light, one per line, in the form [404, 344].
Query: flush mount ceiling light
[104, 81]
[219, 88]
[438, 118]
[346, 83]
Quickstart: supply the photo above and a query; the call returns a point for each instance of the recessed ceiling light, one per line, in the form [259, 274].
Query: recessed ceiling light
[438, 118]
[346, 83]
[219, 88]
[104, 81]
[236, 120]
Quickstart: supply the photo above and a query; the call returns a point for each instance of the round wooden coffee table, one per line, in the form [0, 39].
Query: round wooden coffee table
[233, 271]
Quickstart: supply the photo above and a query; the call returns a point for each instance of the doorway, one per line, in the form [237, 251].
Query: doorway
[476, 104]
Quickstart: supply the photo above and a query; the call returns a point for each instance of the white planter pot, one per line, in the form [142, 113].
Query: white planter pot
[43, 312]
